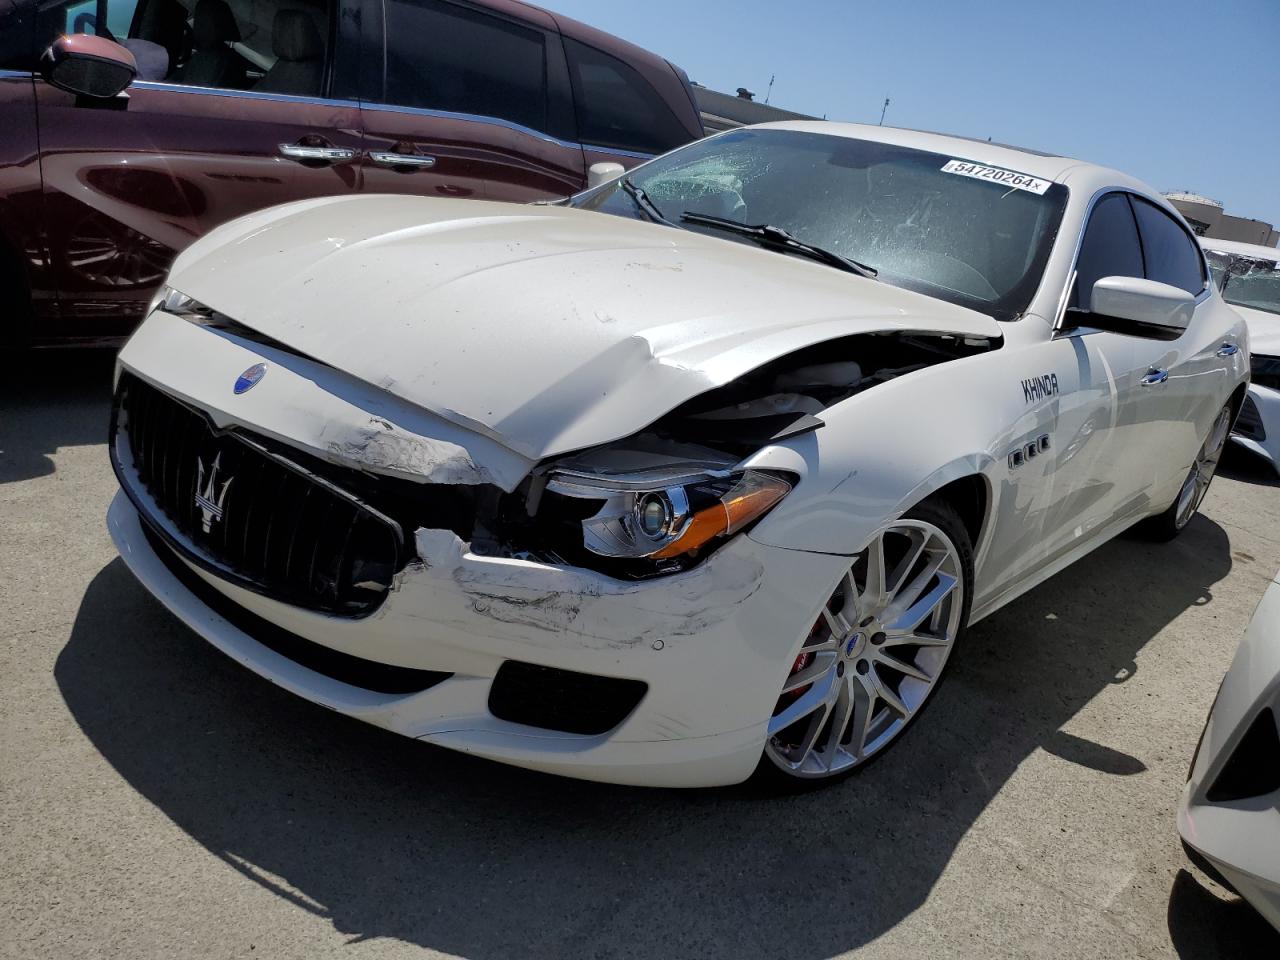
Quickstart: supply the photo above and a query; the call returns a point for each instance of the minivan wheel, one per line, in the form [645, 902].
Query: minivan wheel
[876, 654]
[15, 304]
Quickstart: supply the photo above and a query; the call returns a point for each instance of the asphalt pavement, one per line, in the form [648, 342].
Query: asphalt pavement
[157, 800]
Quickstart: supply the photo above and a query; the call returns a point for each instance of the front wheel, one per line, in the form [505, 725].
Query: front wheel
[876, 653]
[1191, 494]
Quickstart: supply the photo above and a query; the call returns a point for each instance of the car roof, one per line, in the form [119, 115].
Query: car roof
[1242, 249]
[1087, 176]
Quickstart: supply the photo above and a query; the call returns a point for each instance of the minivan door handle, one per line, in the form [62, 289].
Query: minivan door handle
[1155, 376]
[300, 151]
[389, 158]
[1228, 350]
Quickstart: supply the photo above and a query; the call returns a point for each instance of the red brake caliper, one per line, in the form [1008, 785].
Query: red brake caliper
[802, 662]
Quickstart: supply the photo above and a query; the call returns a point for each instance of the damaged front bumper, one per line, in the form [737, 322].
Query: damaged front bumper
[712, 645]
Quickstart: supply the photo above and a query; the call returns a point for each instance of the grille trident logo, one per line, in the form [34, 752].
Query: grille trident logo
[209, 496]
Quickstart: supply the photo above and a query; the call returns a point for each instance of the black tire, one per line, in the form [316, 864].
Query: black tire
[1165, 526]
[769, 777]
[15, 303]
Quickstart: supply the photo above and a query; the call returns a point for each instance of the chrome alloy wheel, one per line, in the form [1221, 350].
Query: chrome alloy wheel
[1197, 483]
[874, 654]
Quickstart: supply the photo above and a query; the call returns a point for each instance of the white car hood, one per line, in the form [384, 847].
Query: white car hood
[1264, 330]
[547, 329]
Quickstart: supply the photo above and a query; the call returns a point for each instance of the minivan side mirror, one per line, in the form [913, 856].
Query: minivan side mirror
[88, 66]
[603, 173]
[1138, 308]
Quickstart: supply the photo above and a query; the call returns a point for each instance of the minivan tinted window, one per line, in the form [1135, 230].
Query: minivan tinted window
[1170, 253]
[446, 57]
[617, 107]
[272, 46]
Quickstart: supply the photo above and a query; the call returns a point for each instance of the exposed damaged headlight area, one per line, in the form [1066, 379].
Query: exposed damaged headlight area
[659, 517]
[661, 501]
[636, 509]
[663, 518]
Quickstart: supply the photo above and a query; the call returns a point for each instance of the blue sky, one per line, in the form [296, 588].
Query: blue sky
[1181, 94]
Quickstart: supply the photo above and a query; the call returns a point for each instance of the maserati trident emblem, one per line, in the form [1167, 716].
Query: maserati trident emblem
[210, 496]
[249, 379]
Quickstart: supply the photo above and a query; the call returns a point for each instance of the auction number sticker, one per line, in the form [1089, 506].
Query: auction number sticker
[1008, 178]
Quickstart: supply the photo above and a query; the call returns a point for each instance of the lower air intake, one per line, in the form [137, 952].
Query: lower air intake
[561, 699]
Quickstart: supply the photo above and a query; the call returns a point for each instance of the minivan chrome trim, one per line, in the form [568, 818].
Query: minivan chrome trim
[248, 94]
[380, 107]
[618, 152]
[499, 122]
[471, 117]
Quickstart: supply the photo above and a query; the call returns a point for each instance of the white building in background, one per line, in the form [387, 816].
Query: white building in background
[1208, 219]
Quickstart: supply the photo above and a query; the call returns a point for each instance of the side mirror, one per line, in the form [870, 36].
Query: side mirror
[88, 66]
[603, 173]
[1140, 308]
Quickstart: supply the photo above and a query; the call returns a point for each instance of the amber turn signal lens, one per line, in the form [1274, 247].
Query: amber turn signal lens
[749, 499]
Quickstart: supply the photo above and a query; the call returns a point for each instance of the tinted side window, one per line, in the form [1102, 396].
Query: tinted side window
[17, 51]
[446, 57]
[617, 107]
[1110, 248]
[1170, 254]
[277, 46]
[81, 16]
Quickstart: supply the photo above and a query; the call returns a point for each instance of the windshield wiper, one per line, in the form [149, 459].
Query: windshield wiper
[641, 200]
[776, 236]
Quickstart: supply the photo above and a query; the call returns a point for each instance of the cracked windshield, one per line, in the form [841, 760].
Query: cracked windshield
[973, 242]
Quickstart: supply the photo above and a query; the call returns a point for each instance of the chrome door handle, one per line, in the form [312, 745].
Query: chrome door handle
[298, 151]
[1155, 376]
[388, 158]
[1228, 350]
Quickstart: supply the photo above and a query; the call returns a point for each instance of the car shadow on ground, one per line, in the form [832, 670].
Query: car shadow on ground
[1207, 921]
[386, 837]
[51, 399]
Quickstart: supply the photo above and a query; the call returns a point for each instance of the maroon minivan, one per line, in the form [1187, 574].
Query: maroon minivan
[240, 104]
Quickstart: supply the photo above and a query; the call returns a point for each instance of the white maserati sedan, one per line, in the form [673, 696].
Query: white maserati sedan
[1248, 275]
[700, 473]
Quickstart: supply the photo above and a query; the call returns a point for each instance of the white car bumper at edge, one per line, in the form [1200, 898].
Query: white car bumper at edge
[1235, 825]
[713, 644]
[1258, 429]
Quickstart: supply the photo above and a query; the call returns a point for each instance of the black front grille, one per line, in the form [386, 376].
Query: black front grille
[561, 699]
[230, 503]
[1249, 423]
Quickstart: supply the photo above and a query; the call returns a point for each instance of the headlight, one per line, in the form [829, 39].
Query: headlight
[180, 305]
[665, 514]
[1265, 371]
